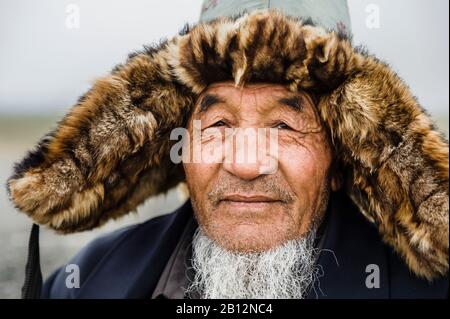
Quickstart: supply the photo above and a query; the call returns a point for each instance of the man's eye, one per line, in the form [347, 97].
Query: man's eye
[282, 126]
[218, 123]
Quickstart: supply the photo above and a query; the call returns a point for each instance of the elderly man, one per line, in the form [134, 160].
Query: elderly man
[346, 197]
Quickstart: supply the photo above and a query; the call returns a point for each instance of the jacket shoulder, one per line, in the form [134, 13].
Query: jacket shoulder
[355, 253]
[100, 249]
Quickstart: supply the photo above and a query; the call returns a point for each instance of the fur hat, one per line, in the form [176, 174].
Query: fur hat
[111, 151]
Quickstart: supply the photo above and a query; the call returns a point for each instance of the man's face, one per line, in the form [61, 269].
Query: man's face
[239, 206]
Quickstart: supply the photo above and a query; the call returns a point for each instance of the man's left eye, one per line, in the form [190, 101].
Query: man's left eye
[282, 126]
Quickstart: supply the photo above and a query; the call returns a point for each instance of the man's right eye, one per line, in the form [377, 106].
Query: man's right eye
[219, 123]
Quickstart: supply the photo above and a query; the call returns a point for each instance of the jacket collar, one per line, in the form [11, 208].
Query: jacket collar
[351, 247]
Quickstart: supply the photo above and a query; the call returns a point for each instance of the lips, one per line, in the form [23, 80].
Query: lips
[249, 198]
[247, 205]
[246, 202]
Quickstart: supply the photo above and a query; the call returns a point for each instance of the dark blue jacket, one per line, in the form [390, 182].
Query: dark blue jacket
[128, 263]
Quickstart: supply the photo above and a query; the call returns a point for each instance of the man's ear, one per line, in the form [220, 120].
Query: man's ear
[336, 180]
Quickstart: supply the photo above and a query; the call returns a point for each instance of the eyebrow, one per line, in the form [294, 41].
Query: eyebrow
[294, 102]
[208, 100]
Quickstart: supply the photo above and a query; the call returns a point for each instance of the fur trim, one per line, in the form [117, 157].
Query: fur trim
[111, 151]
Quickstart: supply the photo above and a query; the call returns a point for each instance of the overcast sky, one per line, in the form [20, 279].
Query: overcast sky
[45, 66]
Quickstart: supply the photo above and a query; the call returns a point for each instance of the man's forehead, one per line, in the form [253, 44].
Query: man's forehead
[258, 94]
[228, 88]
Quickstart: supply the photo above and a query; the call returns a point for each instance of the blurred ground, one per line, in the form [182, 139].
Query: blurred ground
[17, 135]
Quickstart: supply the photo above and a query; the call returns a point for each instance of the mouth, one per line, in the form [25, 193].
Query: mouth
[249, 201]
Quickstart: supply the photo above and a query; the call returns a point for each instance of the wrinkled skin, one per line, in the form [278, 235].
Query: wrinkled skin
[236, 203]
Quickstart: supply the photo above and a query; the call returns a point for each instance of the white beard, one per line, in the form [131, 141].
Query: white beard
[284, 272]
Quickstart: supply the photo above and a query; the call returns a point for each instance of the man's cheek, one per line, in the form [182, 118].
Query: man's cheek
[295, 164]
[302, 160]
[199, 176]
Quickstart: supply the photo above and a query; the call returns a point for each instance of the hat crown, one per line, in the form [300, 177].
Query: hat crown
[330, 14]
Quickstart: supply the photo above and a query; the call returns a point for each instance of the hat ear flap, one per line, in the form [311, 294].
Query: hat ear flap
[108, 154]
[397, 163]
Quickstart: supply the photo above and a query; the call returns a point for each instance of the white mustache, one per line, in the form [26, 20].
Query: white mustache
[268, 185]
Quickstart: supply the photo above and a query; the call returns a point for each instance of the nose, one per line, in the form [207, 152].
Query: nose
[243, 157]
[245, 171]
